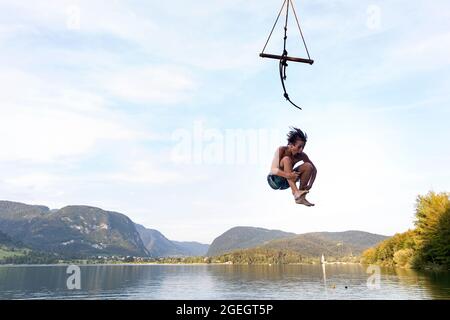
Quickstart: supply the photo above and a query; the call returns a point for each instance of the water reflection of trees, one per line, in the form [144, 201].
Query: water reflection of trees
[435, 284]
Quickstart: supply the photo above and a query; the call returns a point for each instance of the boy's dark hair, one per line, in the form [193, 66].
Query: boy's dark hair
[296, 134]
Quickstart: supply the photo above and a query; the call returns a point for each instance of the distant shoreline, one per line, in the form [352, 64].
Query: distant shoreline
[437, 269]
[173, 264]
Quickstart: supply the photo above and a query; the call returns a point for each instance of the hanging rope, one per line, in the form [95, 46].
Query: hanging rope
[274, 25]
[301, 33]
[284, 57]
[283, 62]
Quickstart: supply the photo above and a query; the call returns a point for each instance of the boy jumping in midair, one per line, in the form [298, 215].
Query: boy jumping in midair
[283, 174]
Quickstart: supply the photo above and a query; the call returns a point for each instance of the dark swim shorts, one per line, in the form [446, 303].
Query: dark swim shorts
[277, 182]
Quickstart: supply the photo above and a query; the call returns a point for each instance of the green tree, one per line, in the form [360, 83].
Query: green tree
[428, 243]
[433, 228]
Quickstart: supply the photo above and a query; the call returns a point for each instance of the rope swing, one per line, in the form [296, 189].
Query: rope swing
[284, 57]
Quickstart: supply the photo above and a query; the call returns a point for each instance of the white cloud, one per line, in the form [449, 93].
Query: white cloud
[100, 16]
[45, 135]
[42, 120]
[144, 172]
[183, 40]
[33, 180]
[148, 84]
[23, 89]
[424, 51]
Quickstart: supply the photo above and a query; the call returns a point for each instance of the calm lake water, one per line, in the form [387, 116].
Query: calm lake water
[221, 282]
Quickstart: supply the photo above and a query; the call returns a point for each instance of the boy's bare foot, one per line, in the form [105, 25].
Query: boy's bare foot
[302, 200]
[299, 194]
[305, 202]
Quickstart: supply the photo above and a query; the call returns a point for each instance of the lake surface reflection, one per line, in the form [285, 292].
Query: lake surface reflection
[339, 281]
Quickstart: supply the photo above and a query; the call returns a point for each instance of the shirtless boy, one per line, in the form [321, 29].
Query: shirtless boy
[283, 174]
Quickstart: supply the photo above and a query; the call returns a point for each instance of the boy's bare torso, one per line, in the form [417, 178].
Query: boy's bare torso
[282, 152]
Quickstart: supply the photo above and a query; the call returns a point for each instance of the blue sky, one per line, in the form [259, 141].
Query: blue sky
[165, 112]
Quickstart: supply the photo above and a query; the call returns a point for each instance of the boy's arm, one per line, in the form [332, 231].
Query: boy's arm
[275, 168]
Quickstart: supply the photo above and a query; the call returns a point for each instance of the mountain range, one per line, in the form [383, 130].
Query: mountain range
[158, 245]
[72, 230]
[84, 231]
[336, 244]
[244, 237]
[331, 244]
